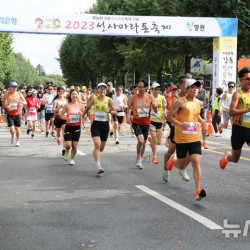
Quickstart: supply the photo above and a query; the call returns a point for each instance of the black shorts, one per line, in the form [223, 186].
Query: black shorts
[59, 122]
[202, 113]
[100, 129]
[141, 130]
[171, 134]
[239, 136]
[49, 116]
[41, 108]
[191, 148]
[118, 119]
[157, 125]
[72, 133]
[14, 120]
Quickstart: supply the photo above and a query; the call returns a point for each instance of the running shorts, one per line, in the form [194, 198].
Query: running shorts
[72, 133]
[49, 116]
[14, 120]
[32, 118]
[59, 122]
[118, 119]
[41, 108]
[171, 134]
[191, 148]
[240, 135]
[100, 129]
[141, 130]
[157, 125]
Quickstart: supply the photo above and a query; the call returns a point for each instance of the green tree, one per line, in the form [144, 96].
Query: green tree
[40, 70]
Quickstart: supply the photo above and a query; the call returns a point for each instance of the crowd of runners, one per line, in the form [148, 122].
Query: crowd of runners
[63, 112]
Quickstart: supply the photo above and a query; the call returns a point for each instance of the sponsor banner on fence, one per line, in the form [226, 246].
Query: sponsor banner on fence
[112, 25]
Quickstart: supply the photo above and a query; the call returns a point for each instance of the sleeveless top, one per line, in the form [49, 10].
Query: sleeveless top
[244, 103]
[158, 117]
[58, 114]
[118, 102]
[141, 109]
[190, 116]
[73, 113]
[99, 106]
[13, 102]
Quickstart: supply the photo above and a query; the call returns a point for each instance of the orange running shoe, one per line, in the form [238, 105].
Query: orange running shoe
[223, 161]
[169, 164]
[204, 145]
[200, 194]
[155, 160]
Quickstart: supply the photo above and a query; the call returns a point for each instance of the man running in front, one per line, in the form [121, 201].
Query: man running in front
[185, 115]
[240, 110]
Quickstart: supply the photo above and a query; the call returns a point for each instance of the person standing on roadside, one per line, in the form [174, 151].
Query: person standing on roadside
[12, 101]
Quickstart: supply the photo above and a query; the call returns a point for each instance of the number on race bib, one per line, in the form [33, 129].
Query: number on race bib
[32, 110]
[192, 129]
[246, 117]
[143, 112]
[13, 106]
[100, 116]
[74, 118]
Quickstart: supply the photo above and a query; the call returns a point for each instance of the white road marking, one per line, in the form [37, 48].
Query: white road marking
[201, 219]
[80, 152]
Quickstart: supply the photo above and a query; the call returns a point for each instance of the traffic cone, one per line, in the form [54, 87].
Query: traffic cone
[210, 129]
[1, 119]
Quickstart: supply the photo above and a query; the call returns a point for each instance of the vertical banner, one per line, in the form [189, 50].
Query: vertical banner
[224, 61]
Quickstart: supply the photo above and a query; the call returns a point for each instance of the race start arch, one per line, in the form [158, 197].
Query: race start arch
[222, 30]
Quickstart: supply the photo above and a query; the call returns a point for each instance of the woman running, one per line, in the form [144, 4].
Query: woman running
[59, 103]
[100, 127]
[33, 103]
[72, 112]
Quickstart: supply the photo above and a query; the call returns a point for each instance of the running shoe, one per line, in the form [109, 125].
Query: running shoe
[141, 166]
[149, 138]
[200, 194]
[59, 142]
[17, 144]
[42, 129]
[169, 164]
[137, 163]
[155, 160]
[66, 156]
[53, 134]
[32, 136]
[117, 142]
[63, 152]
[47, 134]
[72, 162]
[100, 170]
[111, 134]
[28, 131]
[12, 139]
[166, 175]
[223, 161]
[183, 174]
[204, 145]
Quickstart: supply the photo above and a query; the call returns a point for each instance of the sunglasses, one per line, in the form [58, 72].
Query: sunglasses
[61, 90]
[103, 88]
[157, 89]
[232, 86]
[50, 89]
[174, 90]
[246, 78]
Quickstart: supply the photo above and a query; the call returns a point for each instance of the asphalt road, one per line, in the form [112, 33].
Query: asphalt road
[47, 204]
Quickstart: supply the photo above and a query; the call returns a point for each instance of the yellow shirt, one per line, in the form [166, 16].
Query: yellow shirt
[99, 106]
[158, 117]
[244, 103]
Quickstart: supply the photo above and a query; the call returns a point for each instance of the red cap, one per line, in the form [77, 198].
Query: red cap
[173, 87]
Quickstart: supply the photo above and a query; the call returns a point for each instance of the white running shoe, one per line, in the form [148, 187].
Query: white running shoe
[12, 139]
[17, 144]
[100, 170]
[183, 174]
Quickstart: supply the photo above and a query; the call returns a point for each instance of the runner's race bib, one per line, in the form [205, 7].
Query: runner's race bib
[155, 115]
[100, 116]
[143, 112]
[49, 107]
[74, 118]
[192, 129]
[32, 110]
[246, 117]
[13, 106]
[120, 113]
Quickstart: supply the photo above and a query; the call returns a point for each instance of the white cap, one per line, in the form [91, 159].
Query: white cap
[191, 82]
[102, 84]
[155, 85]
[34, 91]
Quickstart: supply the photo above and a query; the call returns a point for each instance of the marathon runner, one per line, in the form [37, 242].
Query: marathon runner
[42, 106]
[157, 120]
[103, 106]
[240, 110]
[141, 103]
[12, 101]
[185, 115]
[72, 112]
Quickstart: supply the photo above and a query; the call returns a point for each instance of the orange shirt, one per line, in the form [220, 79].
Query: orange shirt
[141, 109]
[13, 102]
[190, 116]
[169, 102]
[73, 113]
